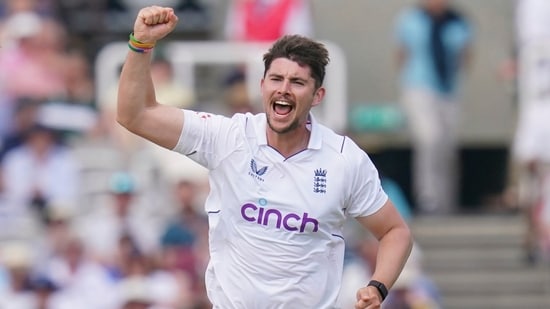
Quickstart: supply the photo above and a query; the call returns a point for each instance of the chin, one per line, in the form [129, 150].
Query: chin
[282, 128]
[277, 129]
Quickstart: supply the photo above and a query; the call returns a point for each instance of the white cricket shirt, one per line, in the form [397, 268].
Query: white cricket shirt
[276, 224]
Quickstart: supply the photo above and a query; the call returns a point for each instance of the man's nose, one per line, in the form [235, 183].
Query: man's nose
[284, 87]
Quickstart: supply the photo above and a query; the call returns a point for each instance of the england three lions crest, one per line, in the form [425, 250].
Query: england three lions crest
[320, 181]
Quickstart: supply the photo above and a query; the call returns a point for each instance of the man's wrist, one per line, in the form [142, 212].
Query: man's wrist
[380, 287]
[139, 46]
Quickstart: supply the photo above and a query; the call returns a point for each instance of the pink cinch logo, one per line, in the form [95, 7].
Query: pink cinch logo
[273, 217]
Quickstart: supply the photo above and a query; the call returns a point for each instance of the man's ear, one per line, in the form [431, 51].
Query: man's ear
[261, 82]
[318, 96]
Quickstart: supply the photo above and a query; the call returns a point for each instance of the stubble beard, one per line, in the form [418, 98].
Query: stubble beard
[293, 126]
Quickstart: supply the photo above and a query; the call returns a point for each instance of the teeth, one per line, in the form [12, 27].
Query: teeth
[282, 103]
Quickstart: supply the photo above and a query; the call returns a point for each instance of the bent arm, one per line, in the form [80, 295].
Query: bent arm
[137, 107]
[395, 242]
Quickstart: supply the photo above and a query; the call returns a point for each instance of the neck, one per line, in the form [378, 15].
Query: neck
[290, 143]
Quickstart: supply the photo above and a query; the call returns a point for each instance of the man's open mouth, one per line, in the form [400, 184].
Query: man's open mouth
[282, 107]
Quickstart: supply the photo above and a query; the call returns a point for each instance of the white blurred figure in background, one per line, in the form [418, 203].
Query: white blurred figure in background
[123, 215]
[38, 172]
[32, 56]
[16, 263]
[530, 151]
[83, 283]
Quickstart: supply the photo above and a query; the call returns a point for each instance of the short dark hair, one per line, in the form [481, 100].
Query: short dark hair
[302, 50]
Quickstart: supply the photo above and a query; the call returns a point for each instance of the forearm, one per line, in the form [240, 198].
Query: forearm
[137, 107]
[393, 251]
[135, 89]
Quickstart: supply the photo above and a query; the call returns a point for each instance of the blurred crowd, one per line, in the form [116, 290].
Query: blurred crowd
[92, 217]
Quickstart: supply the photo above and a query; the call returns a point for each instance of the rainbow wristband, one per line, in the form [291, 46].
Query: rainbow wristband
[138, 46]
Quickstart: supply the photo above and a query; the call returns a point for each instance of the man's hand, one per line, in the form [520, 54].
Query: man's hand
[368, 298]
[153, 23]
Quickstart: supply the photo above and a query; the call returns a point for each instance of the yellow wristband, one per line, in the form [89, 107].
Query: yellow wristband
[138, 44]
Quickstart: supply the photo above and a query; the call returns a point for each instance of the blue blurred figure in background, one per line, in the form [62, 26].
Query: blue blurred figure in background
[433, 48]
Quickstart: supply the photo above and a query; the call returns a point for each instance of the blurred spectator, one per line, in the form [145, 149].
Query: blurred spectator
[236, 96]
[24, 117]
[135, 294]
[123, 216]
[168, 91]
[184, 240]
[32, 58]
[35, 64]
[165, 287]
[75, 113]
[106, 148]
[42, 7]
[267, 20]
[17, 259]
[434, 40]
[7, 106]
[38, 172]
[182, 254]
[78, 79]
[70, 118]
[172, 288]
[83, 283]
[530, 153]
[56, 233]
[126, 256]
[9, 9]
[44, 292]
[259, 21]
[31, 25]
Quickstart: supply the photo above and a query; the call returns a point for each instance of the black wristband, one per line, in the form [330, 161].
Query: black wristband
[380, 287]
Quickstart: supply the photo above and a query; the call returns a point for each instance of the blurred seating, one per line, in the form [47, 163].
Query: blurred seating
[115, 17]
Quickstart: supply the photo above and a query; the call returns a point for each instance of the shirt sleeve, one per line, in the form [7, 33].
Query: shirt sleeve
[207, 138]
[367, 195]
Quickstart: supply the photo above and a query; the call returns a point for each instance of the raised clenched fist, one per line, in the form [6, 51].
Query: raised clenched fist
[153, 23]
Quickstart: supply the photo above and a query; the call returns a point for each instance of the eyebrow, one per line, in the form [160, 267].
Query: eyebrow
[298, 79]
[292, 79]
